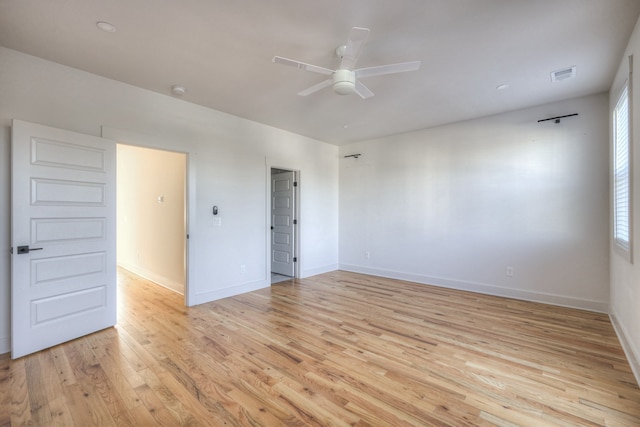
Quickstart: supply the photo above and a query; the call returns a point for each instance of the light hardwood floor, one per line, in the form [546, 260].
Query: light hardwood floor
[332, 350]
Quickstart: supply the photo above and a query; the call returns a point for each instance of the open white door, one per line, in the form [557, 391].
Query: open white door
[63, 278]
[282, 223]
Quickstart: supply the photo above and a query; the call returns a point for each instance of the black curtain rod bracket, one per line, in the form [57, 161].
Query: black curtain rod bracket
[557, 119]
[353, 155]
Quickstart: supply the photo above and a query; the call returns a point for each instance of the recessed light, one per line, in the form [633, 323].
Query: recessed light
[106, 27]
[502, 86]
[178, 90]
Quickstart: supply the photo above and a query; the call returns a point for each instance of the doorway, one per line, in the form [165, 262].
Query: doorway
[151, 214]
[283, 219]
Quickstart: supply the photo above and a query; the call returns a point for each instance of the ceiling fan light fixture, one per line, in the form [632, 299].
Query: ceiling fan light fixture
[344, 82]
[346, 79]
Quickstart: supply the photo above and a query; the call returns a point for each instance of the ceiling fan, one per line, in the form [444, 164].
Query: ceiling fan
[346, 79]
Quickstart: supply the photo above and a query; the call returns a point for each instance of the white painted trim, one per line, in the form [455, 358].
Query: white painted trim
[482, 288]
[632, 353]
[5, 345]
[158, 279]
[242, 288]
[161, 143]
[318, 270]
[285, 165]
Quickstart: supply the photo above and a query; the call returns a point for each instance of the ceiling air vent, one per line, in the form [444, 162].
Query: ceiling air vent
[564, 74]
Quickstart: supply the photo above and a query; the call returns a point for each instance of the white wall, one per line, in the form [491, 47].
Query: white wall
[625, 277]
[151, 214]
[456, 205]
[228, 159]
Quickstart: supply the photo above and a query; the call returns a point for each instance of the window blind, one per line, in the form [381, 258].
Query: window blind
[621, 171]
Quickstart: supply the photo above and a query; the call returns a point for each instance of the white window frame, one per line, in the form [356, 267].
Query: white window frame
[622, 174]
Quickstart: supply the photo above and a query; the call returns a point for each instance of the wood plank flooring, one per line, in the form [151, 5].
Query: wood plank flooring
[339, 349]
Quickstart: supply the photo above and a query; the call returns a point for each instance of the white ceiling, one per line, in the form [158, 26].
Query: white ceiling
[221, 51]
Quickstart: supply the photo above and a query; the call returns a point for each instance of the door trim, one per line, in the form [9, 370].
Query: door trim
[176, 286]
[286, 267]
[278, 164]
[161, 143]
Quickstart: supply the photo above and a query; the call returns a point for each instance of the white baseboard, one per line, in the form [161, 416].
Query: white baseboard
[242, 288]
[633, 355]
[158, 279]
[5, 345]
[482, 288]
[318, 270]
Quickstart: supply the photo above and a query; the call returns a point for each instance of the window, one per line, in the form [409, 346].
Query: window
[622, 174]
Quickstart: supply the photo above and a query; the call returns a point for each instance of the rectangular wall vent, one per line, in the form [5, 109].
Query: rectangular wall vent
[564, 74]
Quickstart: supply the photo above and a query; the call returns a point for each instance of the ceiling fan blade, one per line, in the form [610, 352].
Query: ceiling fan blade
[387, 69]
[362, 90]
[316, 87]
[357, 39]
[302, 65]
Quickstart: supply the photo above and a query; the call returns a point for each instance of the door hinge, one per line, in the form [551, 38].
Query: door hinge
[295, 183]
[187, 237]
[295, 222]
[295, 259]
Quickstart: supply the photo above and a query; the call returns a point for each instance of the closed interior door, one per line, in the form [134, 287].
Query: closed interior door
[63, 236]
[282, 223]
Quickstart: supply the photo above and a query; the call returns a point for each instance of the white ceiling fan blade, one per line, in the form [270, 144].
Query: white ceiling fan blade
[387, 69]
[316, 88]
[357, 39]
[302, 65]
[362, 90]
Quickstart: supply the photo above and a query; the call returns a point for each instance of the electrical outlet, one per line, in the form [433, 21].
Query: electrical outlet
[243, 269]
[509, 272]
[367, 255]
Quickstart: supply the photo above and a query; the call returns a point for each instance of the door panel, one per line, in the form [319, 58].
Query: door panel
[282, 223]
[67, 230]
[65, 193]
[63, 210]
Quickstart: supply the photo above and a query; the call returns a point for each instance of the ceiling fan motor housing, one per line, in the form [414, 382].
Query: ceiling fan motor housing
[344, 82]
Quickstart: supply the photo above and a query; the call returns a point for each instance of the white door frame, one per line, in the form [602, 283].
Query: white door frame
[280, 266]
[184, 215]
[284, 165]
[160, 143]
